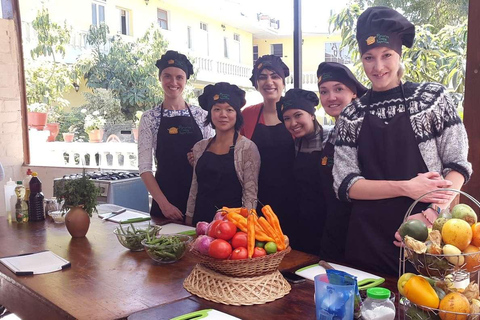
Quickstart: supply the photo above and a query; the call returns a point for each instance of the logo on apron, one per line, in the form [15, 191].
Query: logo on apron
[172, 130]
[327, 161]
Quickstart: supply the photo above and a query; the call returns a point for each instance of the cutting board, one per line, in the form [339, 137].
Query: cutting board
[310, 272]
[177, 228]
[209, 314]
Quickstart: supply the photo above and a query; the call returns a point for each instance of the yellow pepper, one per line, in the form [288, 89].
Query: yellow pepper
[419, 291]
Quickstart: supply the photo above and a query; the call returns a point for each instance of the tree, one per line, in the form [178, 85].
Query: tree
[437, 13]
[435, 56]
[127, 69]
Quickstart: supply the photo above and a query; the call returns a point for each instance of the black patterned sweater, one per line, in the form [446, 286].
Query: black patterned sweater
[439, 131]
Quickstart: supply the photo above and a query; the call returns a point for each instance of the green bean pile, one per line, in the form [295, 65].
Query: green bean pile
[132, 237]
[169, 248]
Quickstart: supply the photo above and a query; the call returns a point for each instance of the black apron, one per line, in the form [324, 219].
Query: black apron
[311, 214]
[275, 188]
[218, 183]
[386, 151]
[338, 212]
[175, 138]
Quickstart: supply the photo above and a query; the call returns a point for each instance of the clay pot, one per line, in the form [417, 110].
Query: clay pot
[77, 222]
[95, 135]
[54, 128]
[68, 136]
[37, 120]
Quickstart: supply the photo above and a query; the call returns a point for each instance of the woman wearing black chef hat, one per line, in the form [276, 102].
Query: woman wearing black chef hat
[226, 166]
[168, 132]
[337, 87]
[274, 142]
[298, 111]
[399, 141]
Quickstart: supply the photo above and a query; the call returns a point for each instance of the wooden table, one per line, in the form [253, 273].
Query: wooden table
[106, 281]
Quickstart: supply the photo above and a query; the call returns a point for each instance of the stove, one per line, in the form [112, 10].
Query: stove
[122, 188]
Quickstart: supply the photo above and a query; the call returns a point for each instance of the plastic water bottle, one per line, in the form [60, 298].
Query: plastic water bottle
[9, 192]
[21, 207]
[35, 206]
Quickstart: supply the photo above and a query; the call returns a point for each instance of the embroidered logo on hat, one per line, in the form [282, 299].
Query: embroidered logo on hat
[370, 40]
[379, 38]
[216, 97]
[171, 61]
[225, 96]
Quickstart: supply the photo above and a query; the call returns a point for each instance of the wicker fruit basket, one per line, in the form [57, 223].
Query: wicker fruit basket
[440, 265]
[413, 312]
[243, 268]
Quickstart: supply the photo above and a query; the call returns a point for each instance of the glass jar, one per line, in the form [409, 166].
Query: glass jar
[51, 205]
[378, 305]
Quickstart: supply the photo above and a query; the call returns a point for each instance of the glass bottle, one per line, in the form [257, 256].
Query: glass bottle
[21, 207]
[378, 305]
[35, 206]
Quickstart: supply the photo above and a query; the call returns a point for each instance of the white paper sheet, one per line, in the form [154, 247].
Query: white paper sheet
[35, 263]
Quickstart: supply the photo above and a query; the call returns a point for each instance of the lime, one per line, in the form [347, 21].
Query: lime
[259, 244]
[270, 247]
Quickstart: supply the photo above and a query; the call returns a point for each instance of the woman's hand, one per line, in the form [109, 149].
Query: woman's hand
[171, 212]
[426, 182]
[188, 221]
[419, 216]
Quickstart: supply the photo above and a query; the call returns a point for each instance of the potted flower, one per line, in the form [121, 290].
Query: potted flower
[37, 115]
[68, 136]
[138, 116]
[79, 198]
[53, 117]
[94, 126]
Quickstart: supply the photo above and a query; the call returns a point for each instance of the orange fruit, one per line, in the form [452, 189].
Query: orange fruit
[457, 232]
[473, 260]
[454, 302]
[476, 234]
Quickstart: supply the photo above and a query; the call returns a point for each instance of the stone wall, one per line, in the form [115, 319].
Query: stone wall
[11, 136]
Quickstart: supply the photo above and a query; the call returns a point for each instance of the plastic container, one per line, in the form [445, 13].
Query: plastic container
[21, 207]
[35, 206]
[333, 301]
[378, 305]
[10, 198]
[26, 184]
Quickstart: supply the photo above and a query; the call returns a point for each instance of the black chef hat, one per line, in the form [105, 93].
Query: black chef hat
[333, 71]
[272, 63]
[222, 92]
[298, 99]
[175, 59]
[384, 27]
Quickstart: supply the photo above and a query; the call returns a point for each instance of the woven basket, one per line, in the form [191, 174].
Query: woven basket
[243, 268]
[217, 287]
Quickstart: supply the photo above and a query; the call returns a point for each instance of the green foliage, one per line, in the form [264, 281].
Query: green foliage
[105, 103]
[435, 56]
[127, 69]
[77, 192]
[437, 13]
[73, 121]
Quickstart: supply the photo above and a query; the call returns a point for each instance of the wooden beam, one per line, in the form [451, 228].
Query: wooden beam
[472, 99]
[297, 44]
[7, 9]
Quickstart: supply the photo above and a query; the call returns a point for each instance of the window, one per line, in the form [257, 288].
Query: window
[334, 54]
[225, 47]
[277, 50]
[255, 54]
[236, 37]
[202, 40]
[98, 13]
[203, 26]
[124, 22]
[189, 37]
[162, 18]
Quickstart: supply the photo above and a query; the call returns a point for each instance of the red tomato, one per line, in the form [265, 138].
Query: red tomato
[239, 240]
[212, 228]
[225, 230]
[259, 252]
[239, 253]
[219, 249]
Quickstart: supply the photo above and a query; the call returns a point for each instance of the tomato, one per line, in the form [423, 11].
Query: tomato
[239, 240]
[244, 212]
[225, 230]
[239, 253]
[259, 252]
[219, 249]
[212, 228]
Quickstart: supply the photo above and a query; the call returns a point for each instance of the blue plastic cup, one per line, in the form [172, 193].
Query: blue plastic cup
[333, 301]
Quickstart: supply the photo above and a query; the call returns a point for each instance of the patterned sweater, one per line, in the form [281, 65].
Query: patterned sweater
[439, 131]
[247, 167]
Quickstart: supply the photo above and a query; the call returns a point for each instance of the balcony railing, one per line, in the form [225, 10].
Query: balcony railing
[212, 71]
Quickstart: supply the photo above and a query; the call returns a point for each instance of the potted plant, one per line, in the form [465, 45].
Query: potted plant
[37, 115]
[68, 136]
[138, 116]
[79, 198]
[94, 126]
